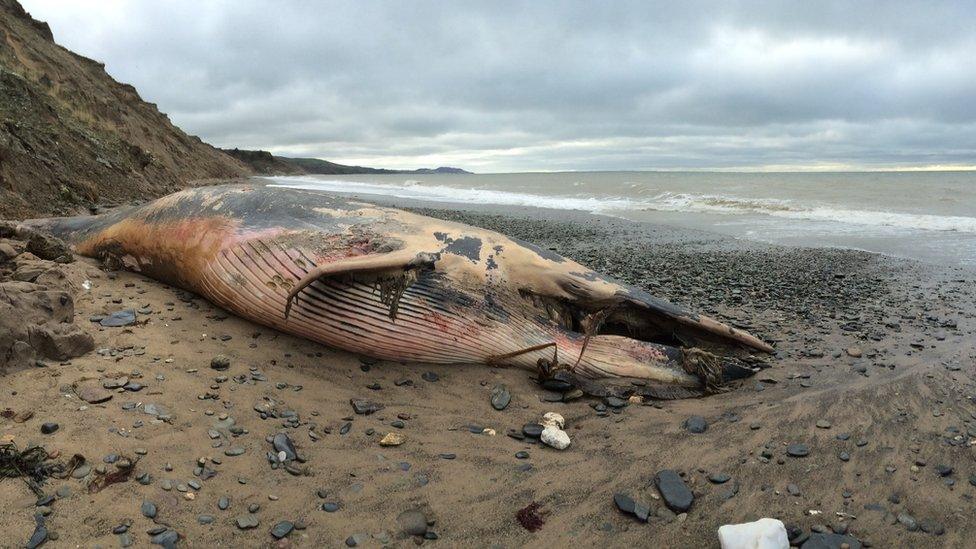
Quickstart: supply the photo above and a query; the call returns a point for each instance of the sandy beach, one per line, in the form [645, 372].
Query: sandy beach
[861, 427]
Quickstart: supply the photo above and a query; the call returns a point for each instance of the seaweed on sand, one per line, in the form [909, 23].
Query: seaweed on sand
[31, 464]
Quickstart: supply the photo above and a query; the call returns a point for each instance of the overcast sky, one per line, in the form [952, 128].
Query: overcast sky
[499, 86]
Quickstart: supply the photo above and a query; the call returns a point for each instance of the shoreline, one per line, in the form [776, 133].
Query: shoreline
[873, 375]
[472, 213]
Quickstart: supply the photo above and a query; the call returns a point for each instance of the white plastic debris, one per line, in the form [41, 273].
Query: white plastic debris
[555, 437]
[552, 419]
[86, 285]
[765, 533]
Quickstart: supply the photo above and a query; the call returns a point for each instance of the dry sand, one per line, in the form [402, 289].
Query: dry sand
[879, 351]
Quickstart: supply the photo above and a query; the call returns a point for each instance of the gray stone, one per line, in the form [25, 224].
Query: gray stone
[166, 538]
[282, 443]
[500, 397]
[246, 522]
[676, 494]
[797, 450]
[364, 407]
[413, 522]
[148, 509]
[118, 319]
[696, 424]
[220, 363]
[282, 529]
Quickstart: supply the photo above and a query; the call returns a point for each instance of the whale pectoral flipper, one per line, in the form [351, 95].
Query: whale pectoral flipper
[392, 272]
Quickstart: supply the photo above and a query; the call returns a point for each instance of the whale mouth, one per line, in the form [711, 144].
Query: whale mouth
[644, 318]
[634, 335]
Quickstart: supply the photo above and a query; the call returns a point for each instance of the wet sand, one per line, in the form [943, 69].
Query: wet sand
[879, 351]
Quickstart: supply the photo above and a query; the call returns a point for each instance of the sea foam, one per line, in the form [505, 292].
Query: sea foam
[619, 205]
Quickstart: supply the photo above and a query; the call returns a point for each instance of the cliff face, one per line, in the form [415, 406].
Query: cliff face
[71, 136]
[264, 163]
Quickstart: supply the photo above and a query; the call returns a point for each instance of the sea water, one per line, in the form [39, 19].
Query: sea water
[929, 216]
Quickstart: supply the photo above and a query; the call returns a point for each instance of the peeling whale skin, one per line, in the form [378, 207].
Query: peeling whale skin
[394, 285]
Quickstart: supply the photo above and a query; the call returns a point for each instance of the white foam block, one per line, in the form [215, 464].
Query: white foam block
[765, 533]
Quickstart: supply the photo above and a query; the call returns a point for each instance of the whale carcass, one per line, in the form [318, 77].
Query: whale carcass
[394, 285]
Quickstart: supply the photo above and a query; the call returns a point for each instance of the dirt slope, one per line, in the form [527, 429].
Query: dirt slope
[71, 136]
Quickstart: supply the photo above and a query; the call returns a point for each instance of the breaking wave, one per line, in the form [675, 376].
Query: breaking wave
[619, 205]
[789, 209]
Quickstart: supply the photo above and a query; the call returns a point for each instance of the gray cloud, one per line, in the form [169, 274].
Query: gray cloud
[503, 86]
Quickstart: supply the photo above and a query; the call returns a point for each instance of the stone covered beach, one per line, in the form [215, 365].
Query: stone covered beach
[859, 432]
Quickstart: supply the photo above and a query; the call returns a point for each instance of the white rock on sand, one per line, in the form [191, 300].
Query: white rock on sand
[555, 437]
[765, 533]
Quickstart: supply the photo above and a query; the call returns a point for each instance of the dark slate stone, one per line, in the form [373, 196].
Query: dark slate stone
[676, 494]
[38, 537]
[696, 425]
[282, 529]
[797, 450]
[167, 538]
[364, 407]
[283, 444]
[118, 319]
[624, 502]
[719, 478]
[500, 397]
[148, 509]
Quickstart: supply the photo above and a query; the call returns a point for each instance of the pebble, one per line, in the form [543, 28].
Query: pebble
[330, 507]
[118, 319]
[931, 527]
[234, 451]
[500, 397]
[166, 538]
[392, 439]
[48, 428]
[148, 509]
[220, 363]
[533, 430]
[673, 489]
[92, 394]
[823, 424]
[413, 522]
[797, 450]
[246, 522]
[283, 444]
[696, 424]
[282, 529]
[719, 478]
[38, 537]
[555, 437]
[223, 503]
[908, 521]
[364, 407]
[627, 505]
